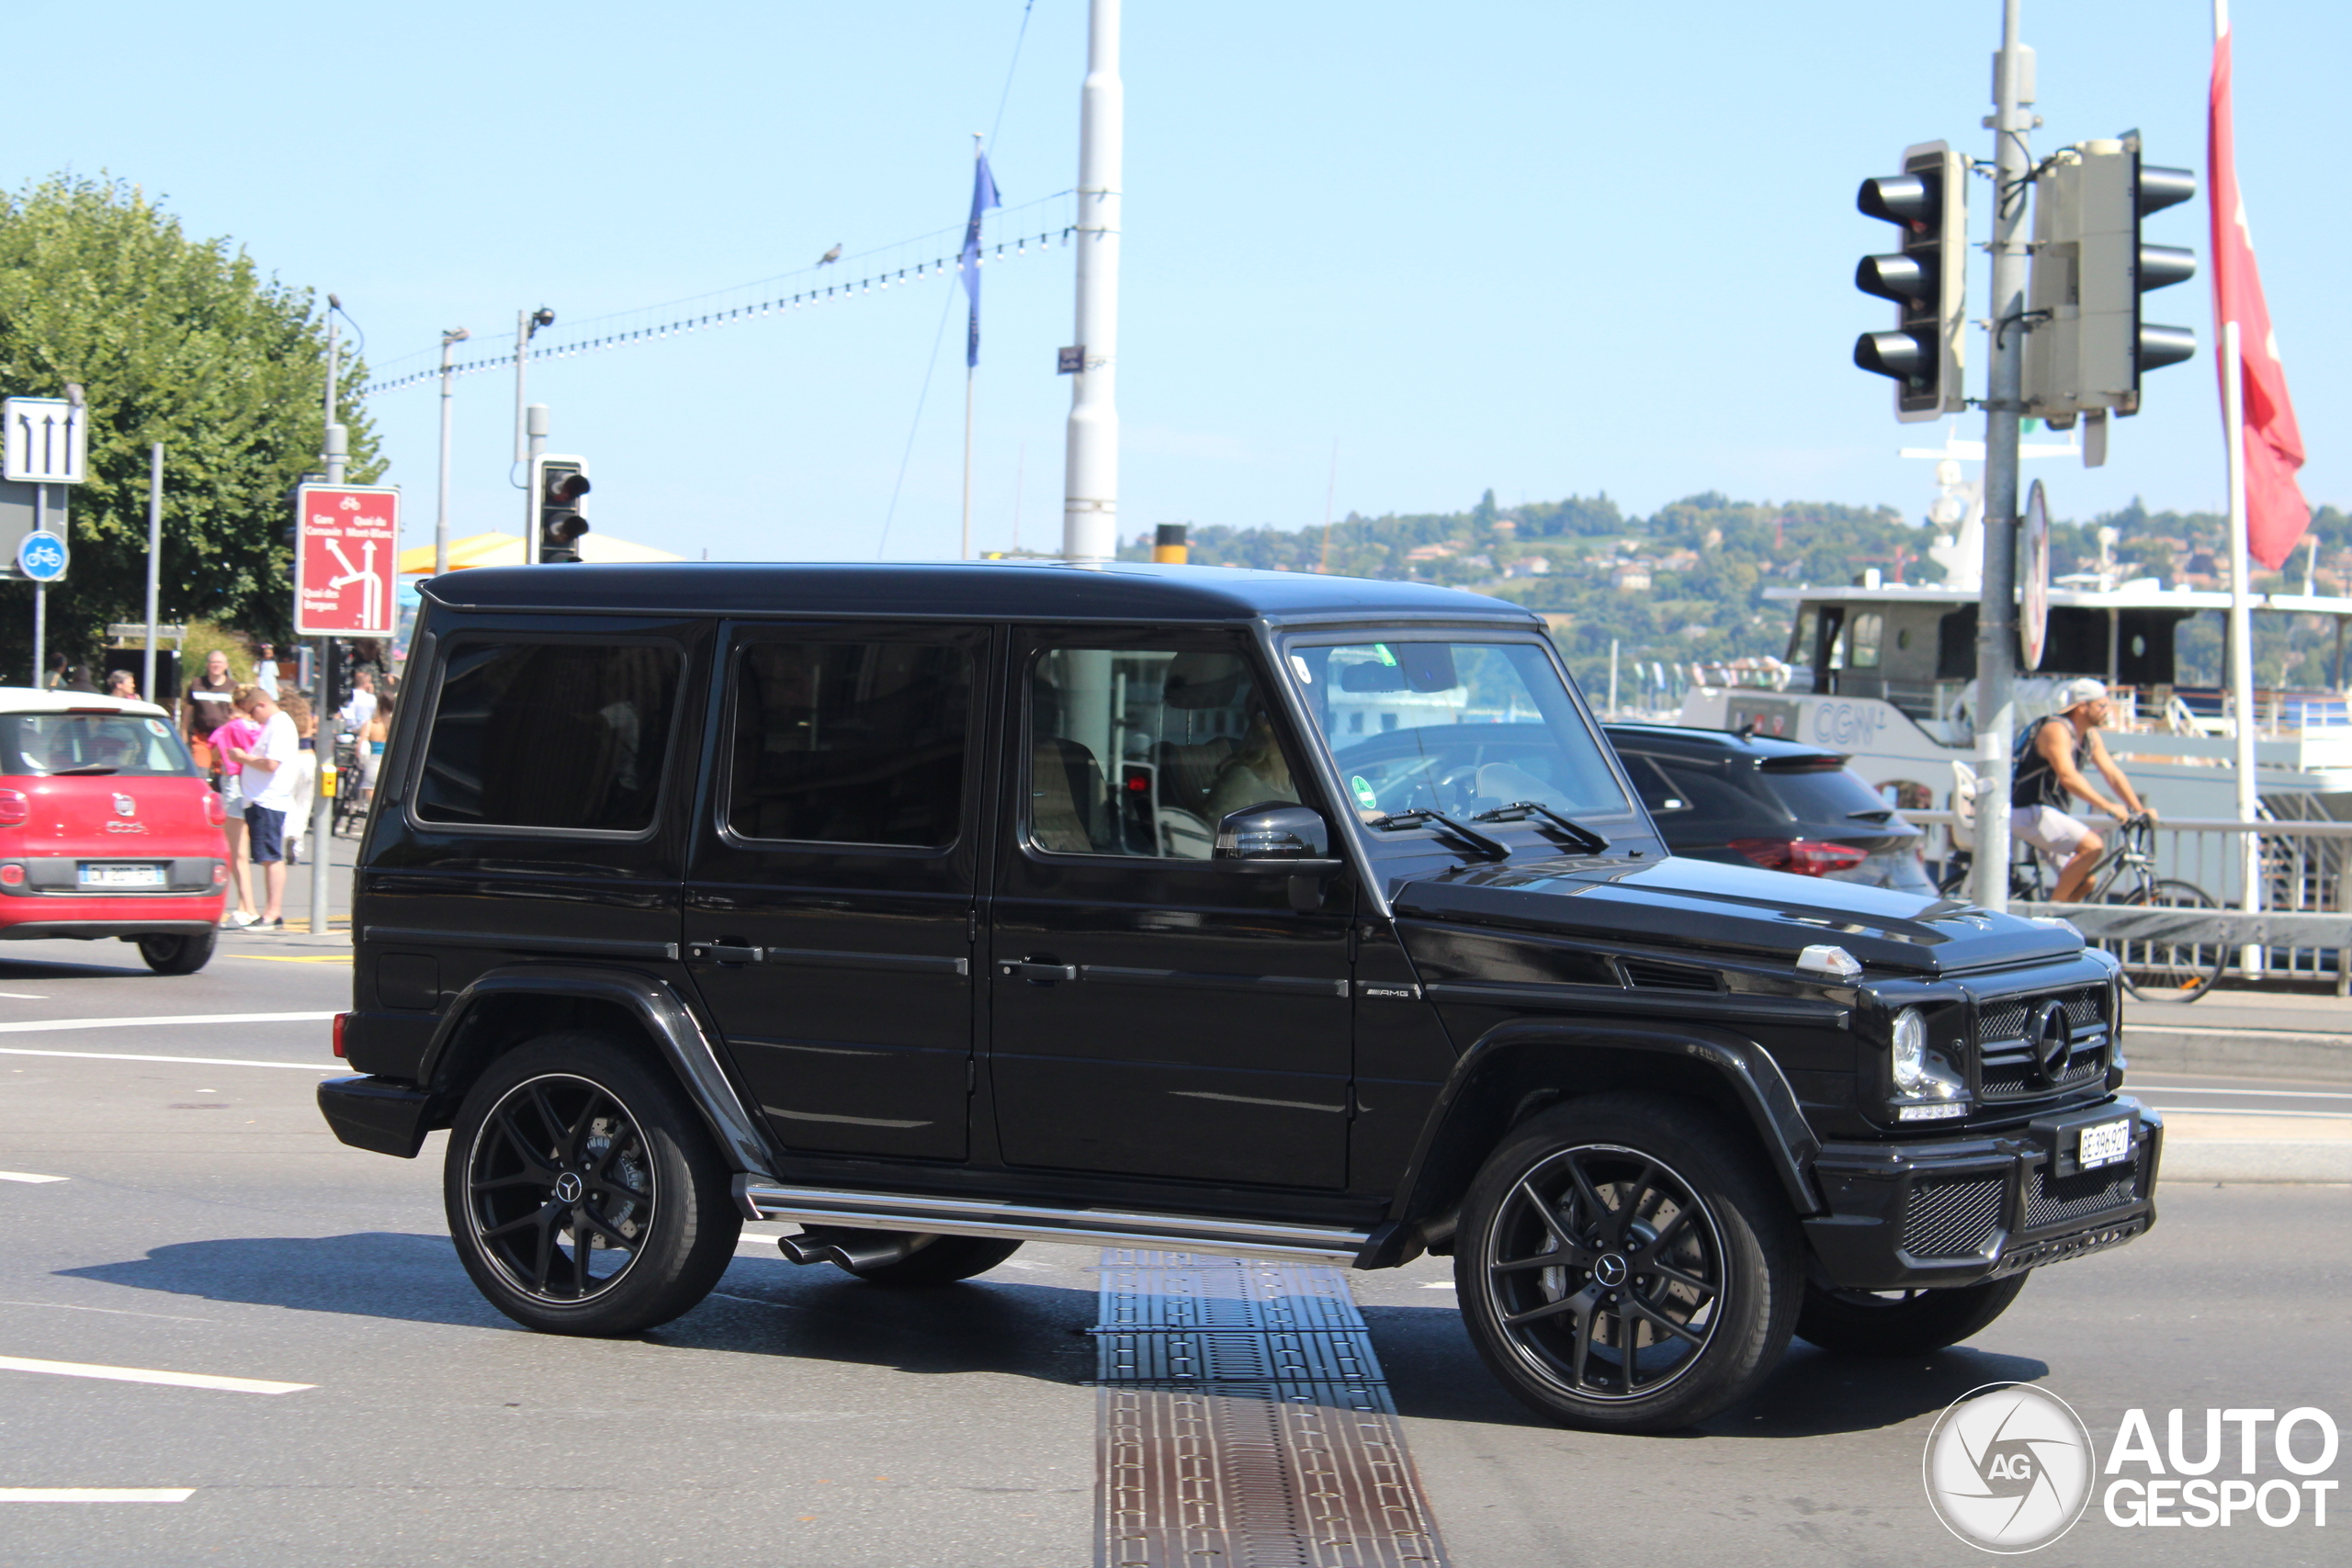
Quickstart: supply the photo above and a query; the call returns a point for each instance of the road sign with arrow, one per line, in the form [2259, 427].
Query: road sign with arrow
[48, 441]
[345, 556]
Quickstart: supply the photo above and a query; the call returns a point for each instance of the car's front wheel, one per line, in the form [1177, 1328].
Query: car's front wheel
[582, 1191]
[1902, 1323]
[1623, 1265]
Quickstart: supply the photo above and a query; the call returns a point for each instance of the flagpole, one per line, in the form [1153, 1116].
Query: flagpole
[2242, 634]
[966, 553]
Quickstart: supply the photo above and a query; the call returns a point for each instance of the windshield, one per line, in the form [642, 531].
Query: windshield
[1458, 727]
[128, 743]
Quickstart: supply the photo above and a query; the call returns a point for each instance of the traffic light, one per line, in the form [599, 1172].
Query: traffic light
[558, 484]
[2089, 345]
[1926, 280]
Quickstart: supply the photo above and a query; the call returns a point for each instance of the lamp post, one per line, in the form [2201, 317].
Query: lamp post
[526, 326]
[450, 341]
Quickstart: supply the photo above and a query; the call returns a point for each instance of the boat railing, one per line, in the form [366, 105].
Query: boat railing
[2302, 929]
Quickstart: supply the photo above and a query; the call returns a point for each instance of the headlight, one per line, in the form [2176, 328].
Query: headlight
[1910, 1052]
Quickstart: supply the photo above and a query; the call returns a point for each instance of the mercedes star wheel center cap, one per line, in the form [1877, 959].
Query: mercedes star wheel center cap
[568, 1187]
[1611, 1270]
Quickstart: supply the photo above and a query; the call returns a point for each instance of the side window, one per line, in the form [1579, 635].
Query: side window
[1140, 751]
[850, 742]
[1656, 792]
[550, 735]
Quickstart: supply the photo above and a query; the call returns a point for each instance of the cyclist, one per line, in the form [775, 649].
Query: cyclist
[2051, 755]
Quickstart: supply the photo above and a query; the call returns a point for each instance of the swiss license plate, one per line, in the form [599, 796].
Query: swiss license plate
[122, 876]
[2104, 1143]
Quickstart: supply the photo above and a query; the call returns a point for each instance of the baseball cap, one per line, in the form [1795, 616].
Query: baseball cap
[2075, 693]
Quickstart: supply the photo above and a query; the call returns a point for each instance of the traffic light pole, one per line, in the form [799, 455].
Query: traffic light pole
[337, 455]
[1997, 618]
[534, 424]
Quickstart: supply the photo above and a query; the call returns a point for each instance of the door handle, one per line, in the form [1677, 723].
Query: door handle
[726, 951]
[1038, 974]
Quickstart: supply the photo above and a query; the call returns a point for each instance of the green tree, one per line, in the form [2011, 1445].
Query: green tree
[180, 341]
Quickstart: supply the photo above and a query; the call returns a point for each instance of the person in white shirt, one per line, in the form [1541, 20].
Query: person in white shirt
[266, 672]
[353, 715]
[270, 777]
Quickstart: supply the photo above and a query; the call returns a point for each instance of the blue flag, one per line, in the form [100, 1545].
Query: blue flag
[969, 263]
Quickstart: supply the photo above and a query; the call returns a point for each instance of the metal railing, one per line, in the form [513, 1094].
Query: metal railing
[2304, 931]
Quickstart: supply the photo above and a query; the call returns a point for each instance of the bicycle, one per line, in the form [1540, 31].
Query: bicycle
[350, 812]
[2159, 968]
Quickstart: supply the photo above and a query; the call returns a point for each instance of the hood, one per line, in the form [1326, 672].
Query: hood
[1734, 913]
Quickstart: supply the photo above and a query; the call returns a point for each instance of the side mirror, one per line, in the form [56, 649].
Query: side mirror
[1273, 830]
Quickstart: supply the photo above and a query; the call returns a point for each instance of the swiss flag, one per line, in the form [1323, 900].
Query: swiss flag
[2276, 513]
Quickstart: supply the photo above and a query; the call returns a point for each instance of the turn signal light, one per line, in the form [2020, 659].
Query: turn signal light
[1805, 857]
[16, 806]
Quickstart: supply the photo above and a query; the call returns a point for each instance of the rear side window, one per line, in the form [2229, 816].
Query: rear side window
[1825, 795]
[850, 742]
[54, 744]
[565, 736]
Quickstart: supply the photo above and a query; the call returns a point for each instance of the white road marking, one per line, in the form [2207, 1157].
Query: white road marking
[192, 1061]
[22, 997]
[143, 1374]
[2254, 1110]
[96, 1494]
[1437, 1284]
[27, 1176]
[2265, 1094]
[44, 1025]
[111, 1312]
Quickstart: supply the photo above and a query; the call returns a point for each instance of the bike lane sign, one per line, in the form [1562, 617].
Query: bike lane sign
[346, 559]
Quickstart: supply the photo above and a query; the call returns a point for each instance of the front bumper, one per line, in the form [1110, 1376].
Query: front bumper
[1961, 1210]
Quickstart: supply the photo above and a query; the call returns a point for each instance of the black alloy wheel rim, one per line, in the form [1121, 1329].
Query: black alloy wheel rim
[1604, 1272]
[560, 1188]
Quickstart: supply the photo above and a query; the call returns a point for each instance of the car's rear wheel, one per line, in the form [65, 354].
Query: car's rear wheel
[584, 1193]
[1902, 1323]
[942, 1260]
[1623, 1265]
[166, 954]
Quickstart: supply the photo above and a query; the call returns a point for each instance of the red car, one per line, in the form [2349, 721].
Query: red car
[106, 828]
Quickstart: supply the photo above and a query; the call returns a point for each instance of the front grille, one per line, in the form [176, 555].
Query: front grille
[2054, 1199]
[2006, 1065]
[1953, 1218]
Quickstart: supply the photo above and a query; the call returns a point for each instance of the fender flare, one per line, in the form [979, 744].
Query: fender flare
[669, 1024]
[1754, 1080]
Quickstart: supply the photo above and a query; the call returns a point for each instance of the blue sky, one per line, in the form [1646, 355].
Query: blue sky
[1543, 247]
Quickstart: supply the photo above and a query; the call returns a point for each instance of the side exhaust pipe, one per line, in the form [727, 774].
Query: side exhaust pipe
[850, 1246]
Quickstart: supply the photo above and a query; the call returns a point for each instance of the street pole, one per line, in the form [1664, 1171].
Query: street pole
[338, 459]
[535, 423]
[450, 341]
[1091, 468]
[1997, 619]
[155, 560]
[2243, 723]
[41, 599]
[522, 358]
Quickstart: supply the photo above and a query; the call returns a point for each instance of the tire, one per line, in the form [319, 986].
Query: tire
[1577, 1183]
[1902, 1323]
[942, 1260]
[2165, 971]
[572, 1133]
[170, 954]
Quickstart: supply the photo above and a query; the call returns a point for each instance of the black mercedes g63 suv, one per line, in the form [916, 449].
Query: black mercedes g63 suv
[936, 909]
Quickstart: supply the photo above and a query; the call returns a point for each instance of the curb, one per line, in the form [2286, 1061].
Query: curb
[2232, 1053]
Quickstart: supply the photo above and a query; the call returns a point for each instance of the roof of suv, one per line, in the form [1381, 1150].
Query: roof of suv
[1715, 743]
[1120, 591]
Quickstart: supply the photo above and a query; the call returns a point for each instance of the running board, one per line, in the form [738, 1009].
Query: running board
[1025, 1222]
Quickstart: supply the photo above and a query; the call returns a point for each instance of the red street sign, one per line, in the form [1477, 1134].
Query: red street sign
[346, 556]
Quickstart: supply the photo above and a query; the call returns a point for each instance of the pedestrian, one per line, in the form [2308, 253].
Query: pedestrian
[372, 736]
[123, 684]
[239, 731]
[269, 771]
[306, 775]
[266, 672]
[361, 708]
[207, 707]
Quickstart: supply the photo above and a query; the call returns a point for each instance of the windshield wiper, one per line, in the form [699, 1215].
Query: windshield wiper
[1494, 849]
[84, 768]
[1575, 833]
